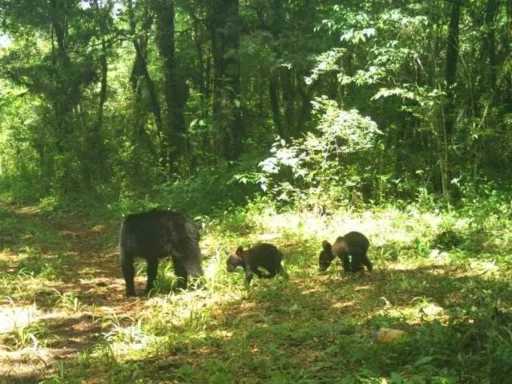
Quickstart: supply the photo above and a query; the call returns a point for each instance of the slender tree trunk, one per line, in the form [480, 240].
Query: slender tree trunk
[305, 93]
[104, 68]
[452, 55]
[205, 138]
[95, 148]
[227, 120]
[63, 103]
[203, 72]
[138, 81]
[104, 84]
[507, 94]
[490, 41]
[274, 103]
[155, 104]
[175, 90]
[287, 86]
[276, 18]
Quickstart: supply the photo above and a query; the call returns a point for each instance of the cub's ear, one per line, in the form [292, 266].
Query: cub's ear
[240, 251]
[326, 245]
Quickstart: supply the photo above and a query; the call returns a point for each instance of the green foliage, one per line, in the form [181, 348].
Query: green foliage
[29, 336]
[453, 302]
[90, 116]
[69, 301]
[330, 165]
[81, 112]
[210, 190]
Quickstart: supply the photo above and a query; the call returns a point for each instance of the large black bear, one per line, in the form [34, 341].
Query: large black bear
[262, 255]
[353, 244]
[154, 235]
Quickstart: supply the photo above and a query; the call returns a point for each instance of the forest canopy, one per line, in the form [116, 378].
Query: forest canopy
[360, 101]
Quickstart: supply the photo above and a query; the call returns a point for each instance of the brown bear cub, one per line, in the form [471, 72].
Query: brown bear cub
[263, 255]
[353, 244]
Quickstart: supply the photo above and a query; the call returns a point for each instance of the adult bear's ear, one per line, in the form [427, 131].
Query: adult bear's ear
[326, 245]
[240, 251]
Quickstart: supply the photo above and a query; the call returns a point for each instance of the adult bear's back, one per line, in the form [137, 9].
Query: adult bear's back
[152, 232]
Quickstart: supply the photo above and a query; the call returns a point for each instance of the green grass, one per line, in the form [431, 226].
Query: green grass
[66, 293]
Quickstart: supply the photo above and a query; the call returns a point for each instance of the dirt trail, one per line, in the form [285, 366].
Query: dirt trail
[65, 326]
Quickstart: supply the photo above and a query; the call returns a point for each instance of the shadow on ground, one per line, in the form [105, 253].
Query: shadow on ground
[309, 328]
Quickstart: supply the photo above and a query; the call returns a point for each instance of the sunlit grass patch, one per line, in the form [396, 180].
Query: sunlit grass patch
[25, 287]
[307, 328]
[14, 316]
[33, 277]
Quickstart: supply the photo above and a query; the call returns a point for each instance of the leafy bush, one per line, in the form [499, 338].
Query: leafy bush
[329, 165]
[211, 189]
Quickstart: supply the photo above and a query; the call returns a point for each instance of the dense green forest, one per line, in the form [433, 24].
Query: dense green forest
[365, 100]
[283, 121]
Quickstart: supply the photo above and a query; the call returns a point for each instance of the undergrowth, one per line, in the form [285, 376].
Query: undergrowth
[441, 276]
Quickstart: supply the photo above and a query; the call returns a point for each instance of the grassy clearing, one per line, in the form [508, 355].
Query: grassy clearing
[64, 318]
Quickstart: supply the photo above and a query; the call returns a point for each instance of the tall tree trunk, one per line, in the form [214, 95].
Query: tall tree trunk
[104, 84]
[507, 94]
[288, 89]
[227, 120]
[143, 68]
[452, 55]
[202, 59]
[63, 103]
[201, 79]
[175, 90]
[306, 93]
[490, 41]
[95, 149]
[137, 80]
[273, 83]
[102, 14]
[276, 18]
